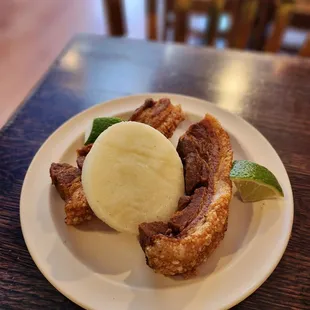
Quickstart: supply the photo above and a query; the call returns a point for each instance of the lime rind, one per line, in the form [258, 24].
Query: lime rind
[249, 171]
[98, 126]
[253, 191]
[276, 190]
[254, 182]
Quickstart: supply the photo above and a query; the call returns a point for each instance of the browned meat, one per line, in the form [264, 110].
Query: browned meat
[148, 230]
[161, 115]
[196, 172]
[67, 180]
[82, 153]
[200, 224]
[195, 157]
[181, 219]
[183, 202]
[63, 176]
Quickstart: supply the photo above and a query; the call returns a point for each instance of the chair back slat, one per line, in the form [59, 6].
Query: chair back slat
[250, 21]
[305, 50]
[115, 16]
[152, 23]
[181, 8]
[243, 23]
[281, 21]
[215, 10]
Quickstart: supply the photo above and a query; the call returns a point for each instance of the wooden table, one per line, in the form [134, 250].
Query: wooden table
[271, 92]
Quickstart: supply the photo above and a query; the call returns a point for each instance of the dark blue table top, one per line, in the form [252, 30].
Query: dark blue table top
[271, 92]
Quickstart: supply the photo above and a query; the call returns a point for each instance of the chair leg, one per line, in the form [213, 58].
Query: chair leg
[243, 23]
[181, 16]
[305, 50]
[115, 16]
[234, 11]
[214, 13]
[151, 13]
[265, 13]
[169, 7]
[282, 19]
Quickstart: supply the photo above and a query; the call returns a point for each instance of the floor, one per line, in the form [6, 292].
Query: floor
[27, 28]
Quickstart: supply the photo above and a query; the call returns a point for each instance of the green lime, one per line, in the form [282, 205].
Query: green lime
[254, 182]
[98, 126]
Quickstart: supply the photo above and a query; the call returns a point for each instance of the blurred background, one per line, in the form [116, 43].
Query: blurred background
[33, 32]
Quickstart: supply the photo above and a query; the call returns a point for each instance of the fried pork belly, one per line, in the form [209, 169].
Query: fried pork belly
[199, 225]
[161, 115]
[82, 153]
[67, 180]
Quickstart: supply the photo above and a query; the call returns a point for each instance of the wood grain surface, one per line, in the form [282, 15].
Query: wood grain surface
[271, 92]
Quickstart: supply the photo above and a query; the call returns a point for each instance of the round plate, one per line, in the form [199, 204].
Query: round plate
[99, 268]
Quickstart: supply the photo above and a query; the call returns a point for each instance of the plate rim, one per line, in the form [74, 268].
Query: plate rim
[243, 295]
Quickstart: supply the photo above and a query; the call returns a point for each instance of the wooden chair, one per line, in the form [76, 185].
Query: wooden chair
[305, 50]
[242, 13]
[115, 16]
[289, 13]
[212, 8]
[182, 8]
[243, 23]
[249, 20]
[152, 24]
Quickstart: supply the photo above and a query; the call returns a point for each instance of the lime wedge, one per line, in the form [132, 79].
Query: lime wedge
[97, 126]
[254, 182]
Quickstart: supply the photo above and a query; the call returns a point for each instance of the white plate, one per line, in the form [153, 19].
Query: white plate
[100, 269]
